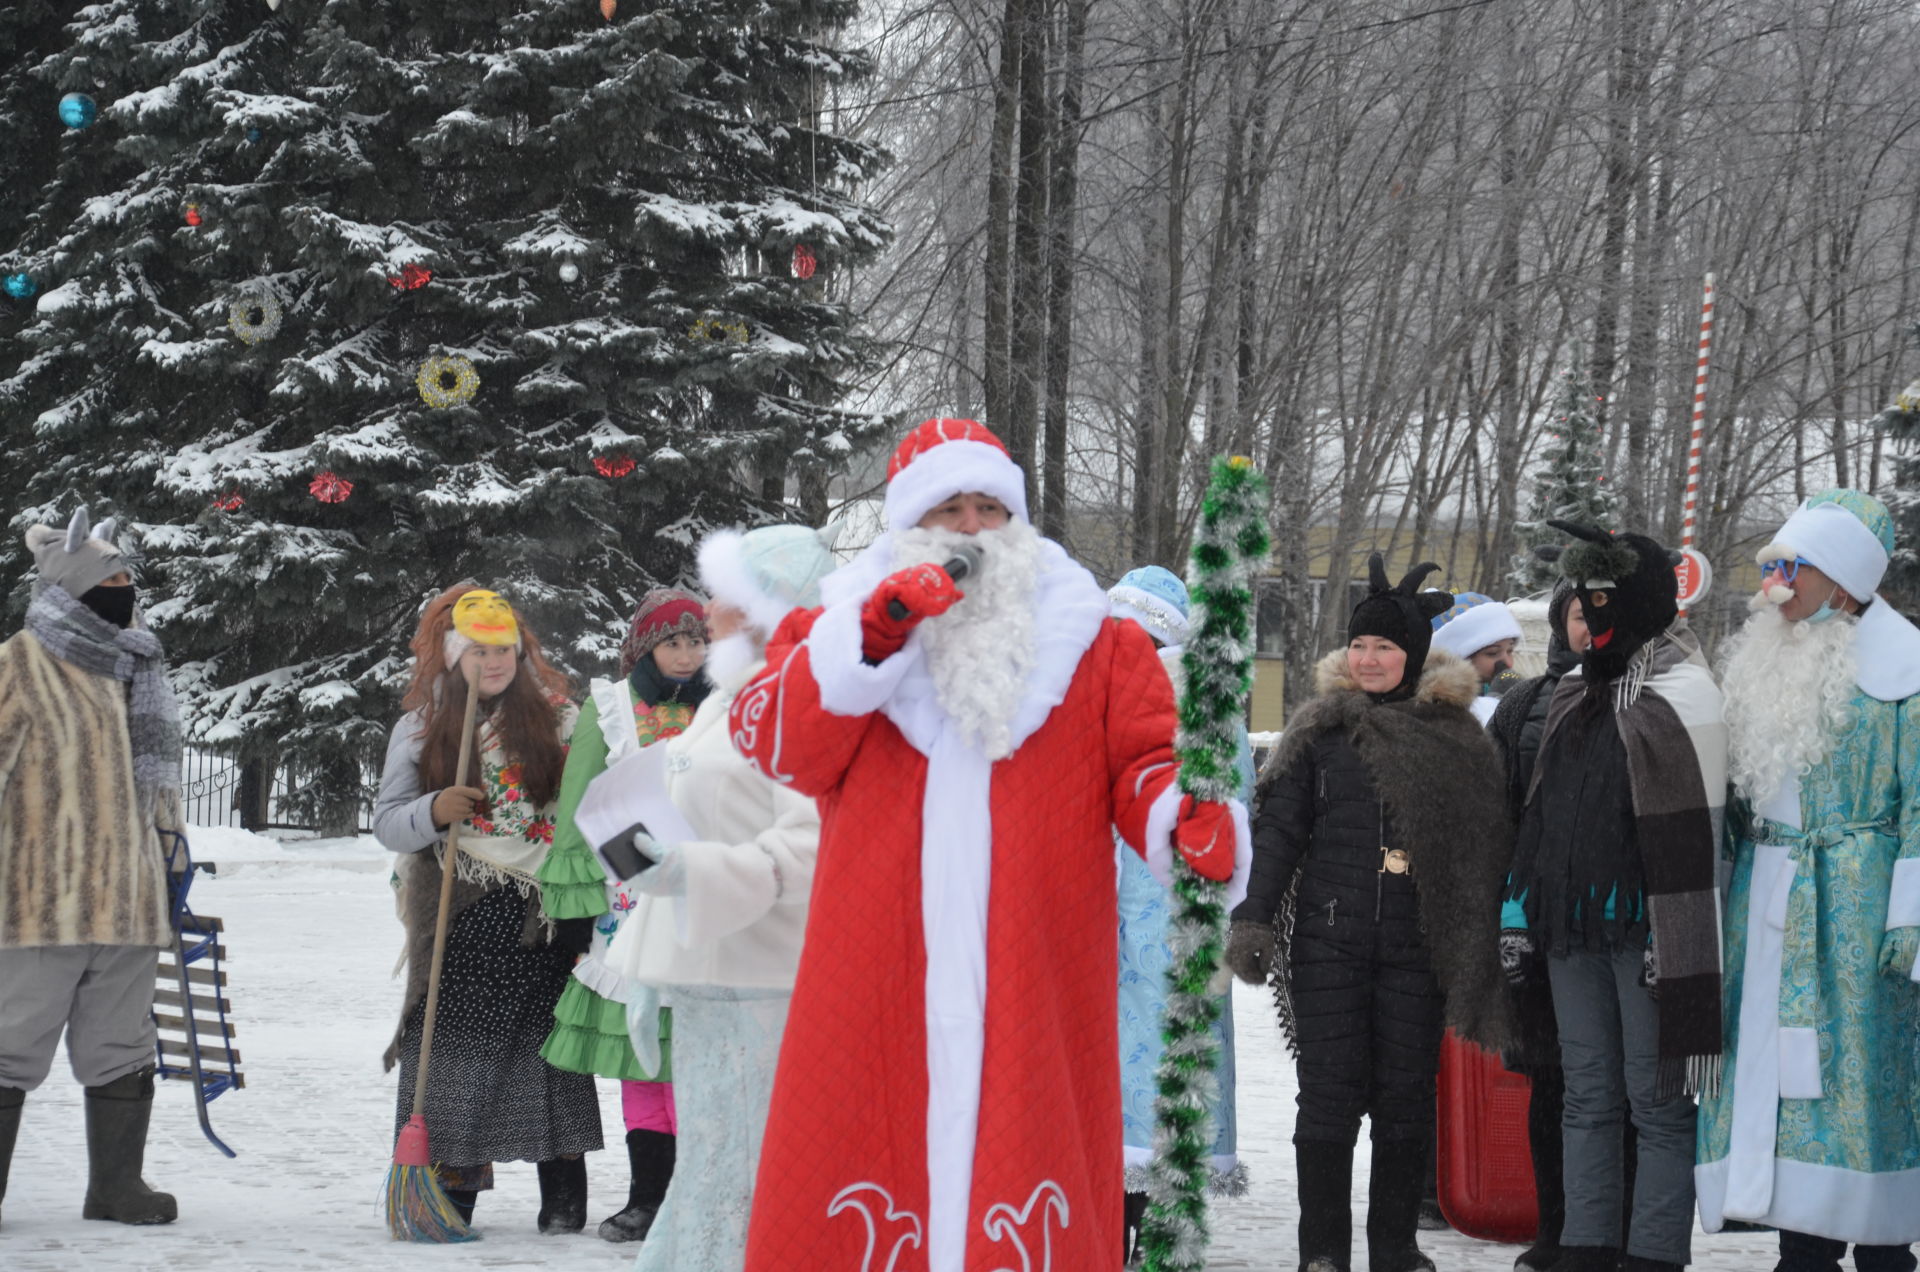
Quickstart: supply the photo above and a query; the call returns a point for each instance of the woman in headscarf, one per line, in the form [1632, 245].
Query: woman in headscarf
[661, 685]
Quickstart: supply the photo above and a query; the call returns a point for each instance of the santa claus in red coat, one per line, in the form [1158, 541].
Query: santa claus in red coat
[948, 1096]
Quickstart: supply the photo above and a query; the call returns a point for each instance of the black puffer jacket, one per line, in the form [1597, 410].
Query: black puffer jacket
[1352, 777]
[1519, 721]
[1324, 818]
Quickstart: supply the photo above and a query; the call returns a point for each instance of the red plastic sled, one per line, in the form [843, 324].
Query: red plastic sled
[1485, 1167]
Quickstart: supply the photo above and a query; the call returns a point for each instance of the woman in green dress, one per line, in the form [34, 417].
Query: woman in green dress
[661, 661]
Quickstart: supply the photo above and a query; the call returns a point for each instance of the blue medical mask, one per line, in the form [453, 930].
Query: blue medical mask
[1825, 612]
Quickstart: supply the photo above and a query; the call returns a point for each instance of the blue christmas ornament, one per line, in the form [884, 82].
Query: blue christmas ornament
[254, 135]
[77, 110]
[21, 286]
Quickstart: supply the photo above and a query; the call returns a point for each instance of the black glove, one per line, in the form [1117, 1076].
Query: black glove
[1518, 957]
[1650, 972]
[1250, 949]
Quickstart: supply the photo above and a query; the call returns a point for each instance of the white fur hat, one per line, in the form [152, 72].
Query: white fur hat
[1474, 622]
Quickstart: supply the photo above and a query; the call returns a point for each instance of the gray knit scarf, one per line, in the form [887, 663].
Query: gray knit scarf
[75, 634]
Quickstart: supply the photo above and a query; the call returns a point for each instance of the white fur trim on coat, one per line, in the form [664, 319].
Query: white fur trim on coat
[954, 468]
[1886, 653]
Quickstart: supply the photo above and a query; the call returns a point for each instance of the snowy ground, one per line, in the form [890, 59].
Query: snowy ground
[313, 939]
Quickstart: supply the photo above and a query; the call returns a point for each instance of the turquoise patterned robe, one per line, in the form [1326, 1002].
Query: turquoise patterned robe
[1813, 1128]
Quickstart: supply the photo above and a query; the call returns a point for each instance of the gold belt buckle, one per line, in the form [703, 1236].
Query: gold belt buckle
[1395, 861]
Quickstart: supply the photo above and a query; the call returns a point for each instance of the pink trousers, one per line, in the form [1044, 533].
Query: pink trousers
[649, 1106]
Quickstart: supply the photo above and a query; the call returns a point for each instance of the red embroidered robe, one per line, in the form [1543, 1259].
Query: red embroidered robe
[1000, 1144]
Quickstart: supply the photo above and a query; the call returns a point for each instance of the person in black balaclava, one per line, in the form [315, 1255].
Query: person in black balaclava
[92, 775]
[1358, 853]
[1612, 889]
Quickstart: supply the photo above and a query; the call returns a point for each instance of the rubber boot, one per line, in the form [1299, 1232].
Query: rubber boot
[1134, 1211]
[1324, 1173]
[1393, 1208]
[563, 1194]
[11, 1098]
[117, 1116]
[650, 1155]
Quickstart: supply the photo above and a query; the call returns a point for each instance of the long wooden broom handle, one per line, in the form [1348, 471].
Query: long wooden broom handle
[448, 868]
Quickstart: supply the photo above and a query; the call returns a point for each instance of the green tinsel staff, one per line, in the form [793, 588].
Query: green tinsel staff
[1230, 548]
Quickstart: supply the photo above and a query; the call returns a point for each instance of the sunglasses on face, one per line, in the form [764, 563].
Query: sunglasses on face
[1786, 571]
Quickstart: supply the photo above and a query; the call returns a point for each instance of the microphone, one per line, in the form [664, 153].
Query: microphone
[966, 560]
[1506, 679]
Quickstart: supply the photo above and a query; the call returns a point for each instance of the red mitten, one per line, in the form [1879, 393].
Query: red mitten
[1204, 836]
[899, 604]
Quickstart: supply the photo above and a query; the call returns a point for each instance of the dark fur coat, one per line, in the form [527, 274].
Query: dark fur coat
[1441, 786]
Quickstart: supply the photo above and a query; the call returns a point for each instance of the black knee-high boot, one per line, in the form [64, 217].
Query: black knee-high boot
[1393, 1208]
[1325, 1178]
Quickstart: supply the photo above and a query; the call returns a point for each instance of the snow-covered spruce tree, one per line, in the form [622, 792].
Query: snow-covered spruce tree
[1901, 421]
[499, 290]
[1570, 486]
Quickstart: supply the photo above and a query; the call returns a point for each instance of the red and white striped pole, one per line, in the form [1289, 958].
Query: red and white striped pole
[1699, 415]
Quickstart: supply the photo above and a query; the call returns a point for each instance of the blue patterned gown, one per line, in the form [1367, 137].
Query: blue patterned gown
[1813, 1127]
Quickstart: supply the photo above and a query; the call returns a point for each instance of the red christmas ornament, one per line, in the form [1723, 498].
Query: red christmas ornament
[230, 502]
[613, 465]
[329, 488]
[411, 278]
[193, 214]
[804, 262]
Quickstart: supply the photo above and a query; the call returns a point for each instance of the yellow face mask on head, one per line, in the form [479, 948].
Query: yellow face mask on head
[485, 618]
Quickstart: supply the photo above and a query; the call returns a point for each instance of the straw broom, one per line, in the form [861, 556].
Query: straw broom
[418, 1208]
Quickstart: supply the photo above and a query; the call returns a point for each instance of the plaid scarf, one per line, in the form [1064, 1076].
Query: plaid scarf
[1669, 714]
[75, 634]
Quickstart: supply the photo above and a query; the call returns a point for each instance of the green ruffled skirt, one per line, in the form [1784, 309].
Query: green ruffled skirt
[590, 1036]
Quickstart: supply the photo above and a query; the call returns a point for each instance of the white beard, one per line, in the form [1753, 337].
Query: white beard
[981, 651]
[729, 657]
[1789, 691]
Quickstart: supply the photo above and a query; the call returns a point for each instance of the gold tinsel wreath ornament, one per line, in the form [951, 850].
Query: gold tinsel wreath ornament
[447, 380]
[254, 318]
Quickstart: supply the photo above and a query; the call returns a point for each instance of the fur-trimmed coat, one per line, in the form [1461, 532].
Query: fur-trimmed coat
[1426, 781]
[79, 865]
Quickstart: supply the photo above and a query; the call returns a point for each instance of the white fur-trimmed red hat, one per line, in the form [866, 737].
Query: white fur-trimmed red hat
[943, 458]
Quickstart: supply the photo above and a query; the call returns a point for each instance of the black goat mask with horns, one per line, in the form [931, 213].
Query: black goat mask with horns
[1627, 590]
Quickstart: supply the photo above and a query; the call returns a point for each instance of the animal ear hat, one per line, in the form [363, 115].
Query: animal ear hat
[1402, 614]
[79, 559]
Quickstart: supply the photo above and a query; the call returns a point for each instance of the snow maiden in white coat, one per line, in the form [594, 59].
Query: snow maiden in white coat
[717, 927]
[1813, 1132]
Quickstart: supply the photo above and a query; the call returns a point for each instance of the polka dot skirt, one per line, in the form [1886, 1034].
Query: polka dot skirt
[490, 1097]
